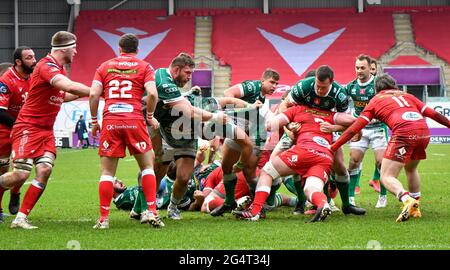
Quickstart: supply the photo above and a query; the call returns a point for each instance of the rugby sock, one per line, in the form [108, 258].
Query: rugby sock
[403, 196]
[415, 195]
[252, 185]
[229, 183]
[376, 174]
[31, 197]
[357, 179]
[318, 199]
[343, 190]
[137, 207]
[325, 191]
[300, 192]
[149, 188]
[142, 200]
[383, 190]
[105, 191]
[270, 201]
[354, 179]
[261, 195]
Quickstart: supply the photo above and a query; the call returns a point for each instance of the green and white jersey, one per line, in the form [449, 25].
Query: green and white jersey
[252, 122]
[165, 190]
[209, 104]
[251, 91]
[169, 92]
[304, 93]
[126, 199]
[361, 94]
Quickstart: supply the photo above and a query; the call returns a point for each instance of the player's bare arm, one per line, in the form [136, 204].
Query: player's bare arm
[341, 122]
[187, 109]
[234, 91]
[67, 85]
[274, 123]
[152, 100]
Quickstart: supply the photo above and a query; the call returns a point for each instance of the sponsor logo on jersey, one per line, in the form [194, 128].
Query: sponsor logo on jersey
[411, 116]
[120, 108]
[317, 101]
[56, 100]
[3, 88]
[401, 153]
[362, 91]
[317, 112]
[126, 71]
[320, 141]
[293, 160]
[128, 64]
[105, 145]
[360, 103]
[111, 127]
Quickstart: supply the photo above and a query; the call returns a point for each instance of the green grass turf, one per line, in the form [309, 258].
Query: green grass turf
[68, 209]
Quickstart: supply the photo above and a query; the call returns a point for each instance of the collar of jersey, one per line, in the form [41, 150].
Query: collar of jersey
[366, 83]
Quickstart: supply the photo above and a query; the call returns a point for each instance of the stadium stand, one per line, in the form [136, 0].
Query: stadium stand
[161, 38]
[430, 32]
[411, 9]
[293, 44]
[213, 12]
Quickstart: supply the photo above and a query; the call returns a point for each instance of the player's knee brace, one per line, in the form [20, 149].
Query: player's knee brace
[271, 170]
[4, 162]
[23, 165]
[44, 161]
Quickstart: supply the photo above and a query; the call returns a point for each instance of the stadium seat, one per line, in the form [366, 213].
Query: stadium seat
[98, 32]
[430, 31]
[281, 41]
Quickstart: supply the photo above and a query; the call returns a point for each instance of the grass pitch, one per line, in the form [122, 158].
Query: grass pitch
[68, 209]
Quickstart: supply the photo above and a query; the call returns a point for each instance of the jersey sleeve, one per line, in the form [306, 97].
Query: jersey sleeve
[49, 70]
[149, 75]
[342, 101]
[213, 179]
[417, 103]
[168, 91]
[296, 95]
[248, 88]
[291, 113]
[5, 93]
[98, 79]
[369, 111]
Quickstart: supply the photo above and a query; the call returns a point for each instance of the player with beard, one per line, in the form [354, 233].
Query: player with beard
[14, 86]
[33, 141]
[179, 125]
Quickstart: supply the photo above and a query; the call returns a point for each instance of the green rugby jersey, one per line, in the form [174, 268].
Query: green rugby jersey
[304, 93]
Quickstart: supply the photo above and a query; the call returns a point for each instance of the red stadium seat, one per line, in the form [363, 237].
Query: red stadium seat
[289, 43]
[98, 33]
[431, 32]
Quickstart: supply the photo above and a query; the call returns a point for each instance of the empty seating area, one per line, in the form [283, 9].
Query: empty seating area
[431, 32]
[294, 44]
[161, 38]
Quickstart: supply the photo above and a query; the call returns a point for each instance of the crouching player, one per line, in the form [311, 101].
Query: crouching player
[309, 157]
